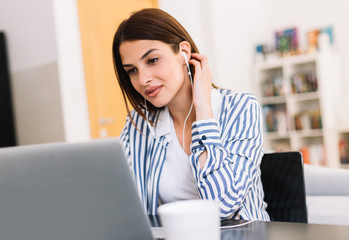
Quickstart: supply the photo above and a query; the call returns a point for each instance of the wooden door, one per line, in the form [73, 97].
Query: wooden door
[99, 20]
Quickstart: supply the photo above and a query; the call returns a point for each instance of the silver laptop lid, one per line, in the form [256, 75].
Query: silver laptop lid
[77, 191]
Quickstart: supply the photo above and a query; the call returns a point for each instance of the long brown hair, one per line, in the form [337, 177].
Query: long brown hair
[146, 24]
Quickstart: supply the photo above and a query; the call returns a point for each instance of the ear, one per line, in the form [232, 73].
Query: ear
[184, 46]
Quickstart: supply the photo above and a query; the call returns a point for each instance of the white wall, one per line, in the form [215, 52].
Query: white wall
[48, 96]
[29, 30]
[237, 24]
[71, 71]
[30, 33]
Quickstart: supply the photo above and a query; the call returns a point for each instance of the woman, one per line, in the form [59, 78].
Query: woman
[185, 139]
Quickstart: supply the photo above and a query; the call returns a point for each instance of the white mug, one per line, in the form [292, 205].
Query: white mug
[190, 219]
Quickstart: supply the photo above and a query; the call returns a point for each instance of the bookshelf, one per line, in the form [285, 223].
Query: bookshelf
[298, 95]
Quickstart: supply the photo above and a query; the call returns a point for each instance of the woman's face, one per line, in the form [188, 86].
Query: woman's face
[155, 71]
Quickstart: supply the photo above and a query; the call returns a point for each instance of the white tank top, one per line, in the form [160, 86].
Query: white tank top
[177, 181]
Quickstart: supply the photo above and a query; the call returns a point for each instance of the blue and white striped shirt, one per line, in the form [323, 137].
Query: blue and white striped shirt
[233, 141]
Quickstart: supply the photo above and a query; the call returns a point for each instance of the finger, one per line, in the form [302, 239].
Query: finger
[195, 63]
[199, 57]
[202, 58]
[197, 67]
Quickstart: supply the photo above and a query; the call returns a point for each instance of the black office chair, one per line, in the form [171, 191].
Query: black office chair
[284, 188]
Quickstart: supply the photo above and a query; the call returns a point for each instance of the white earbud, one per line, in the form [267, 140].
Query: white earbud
[185, 58]
[187, 63]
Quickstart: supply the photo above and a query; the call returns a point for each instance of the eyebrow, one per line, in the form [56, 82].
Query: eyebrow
[144, 56]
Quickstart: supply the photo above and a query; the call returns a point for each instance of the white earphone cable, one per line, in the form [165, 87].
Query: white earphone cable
[191, 107]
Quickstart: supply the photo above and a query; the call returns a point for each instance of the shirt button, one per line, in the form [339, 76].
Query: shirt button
[200, 142]
[203, 137]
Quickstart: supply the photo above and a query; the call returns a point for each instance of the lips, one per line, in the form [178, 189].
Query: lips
[153, 91]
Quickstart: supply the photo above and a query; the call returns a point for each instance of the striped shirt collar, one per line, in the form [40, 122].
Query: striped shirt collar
[163, 126]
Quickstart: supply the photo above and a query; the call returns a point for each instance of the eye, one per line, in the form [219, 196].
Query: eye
[131, 71]
[153, 60]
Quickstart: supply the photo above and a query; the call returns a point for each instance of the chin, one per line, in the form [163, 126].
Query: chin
[159, 104]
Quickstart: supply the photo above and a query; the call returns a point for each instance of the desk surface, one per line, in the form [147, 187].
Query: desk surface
[280, 230]
[286, 231]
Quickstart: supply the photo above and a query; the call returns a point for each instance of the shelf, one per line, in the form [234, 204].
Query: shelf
[287, 111]
[277, 135]
[309, 96]
[308, 133]
[346, 166]
[269, 64]
[302, 59]
[279, 62]
[273, 100]
[343, 130]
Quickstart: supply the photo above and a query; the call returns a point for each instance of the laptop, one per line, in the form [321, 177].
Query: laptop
[66, 191]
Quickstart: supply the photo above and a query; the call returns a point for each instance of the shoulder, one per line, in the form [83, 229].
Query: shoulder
[231, 100]
[240, 113]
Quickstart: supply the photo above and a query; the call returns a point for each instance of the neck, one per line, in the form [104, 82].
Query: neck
[183, 117]
[179, 109]
[180, 106]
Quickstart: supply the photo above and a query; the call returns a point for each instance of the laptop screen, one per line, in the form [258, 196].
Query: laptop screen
[69, 191]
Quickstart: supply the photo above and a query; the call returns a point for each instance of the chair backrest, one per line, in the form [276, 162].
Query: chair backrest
[283, 182]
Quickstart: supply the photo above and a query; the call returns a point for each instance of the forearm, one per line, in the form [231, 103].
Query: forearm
[225, 180]
[225, 165]
[203, 112]
[202, 159]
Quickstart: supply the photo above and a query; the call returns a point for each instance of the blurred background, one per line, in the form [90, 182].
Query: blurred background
[58, 84]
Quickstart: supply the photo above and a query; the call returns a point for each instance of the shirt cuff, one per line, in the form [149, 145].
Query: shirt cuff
[205, 132]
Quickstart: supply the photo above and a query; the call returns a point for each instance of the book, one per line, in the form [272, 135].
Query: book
[275, 119]
[314, 154]
[286, 41]
[344, 150]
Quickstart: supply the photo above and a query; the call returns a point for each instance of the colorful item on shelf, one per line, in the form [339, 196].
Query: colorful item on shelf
[304, 82]
[313, 37]
[306, 120]
[286, 41]
[312, 40]
[273, 87]
[275, 119]
[314, 154]
[344, 150]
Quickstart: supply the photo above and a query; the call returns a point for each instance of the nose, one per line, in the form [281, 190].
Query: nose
[145, 76]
